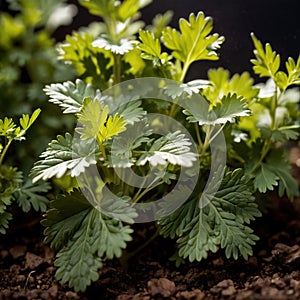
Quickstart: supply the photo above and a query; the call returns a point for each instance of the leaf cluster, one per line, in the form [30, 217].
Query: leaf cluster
[90, 218]
[28, 61]
[12, 186]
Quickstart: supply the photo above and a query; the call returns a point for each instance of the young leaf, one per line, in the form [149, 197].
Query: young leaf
[151, 48]
[97, 124]
[7, 127]
[160, 22]
[193, 42]
[27, 121]
[117, 10]
[222, 85]
[100, 8]
[70, 96]
[267, 61]
[293, 74]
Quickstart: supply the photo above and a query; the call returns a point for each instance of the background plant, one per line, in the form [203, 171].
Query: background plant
[12, 185]
[257, 121]
[28, 61]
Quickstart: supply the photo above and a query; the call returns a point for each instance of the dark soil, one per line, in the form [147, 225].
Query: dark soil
[27, 272]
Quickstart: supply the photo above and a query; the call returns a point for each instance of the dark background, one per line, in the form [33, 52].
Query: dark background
[273, 21]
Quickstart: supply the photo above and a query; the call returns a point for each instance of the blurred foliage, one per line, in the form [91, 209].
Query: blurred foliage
[28, 61]
[12, 187]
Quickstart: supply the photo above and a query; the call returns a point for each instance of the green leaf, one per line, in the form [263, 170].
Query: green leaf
[30, 195]
[70, 96]
[174, 148]
[265, 179]
[120, 10]
[97, 124]
[7, 127]
[267, 61]
[130, 8]
[285, 133]
[160, 22]
[64, 218]
[77, 264]
[219, 223]
[124, 144]
[132, 112]
[278, 163]
[151, 48]
[27, 121]
[100, 8]
[5, 217]
[85, 236]
[222, 85]
[284, 80]
[193, 42]
[91, 63]
[175, 90]
[230, 107]
[117, 207]
[64, 157]
[10, 181]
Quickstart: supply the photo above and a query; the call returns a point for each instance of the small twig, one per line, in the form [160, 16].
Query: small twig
[26, 283]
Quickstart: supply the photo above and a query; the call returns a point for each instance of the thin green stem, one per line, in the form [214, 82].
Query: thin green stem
[264, 152]
[217, 133]
[198, 134]
[268, 142]
[173, 110]
[4, 151]
[207, 139]
[148, 189]
[184, 71]
[117, 68]
[140, 190]
[102, 148]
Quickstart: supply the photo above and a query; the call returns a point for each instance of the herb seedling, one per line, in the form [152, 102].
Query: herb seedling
[256, 121]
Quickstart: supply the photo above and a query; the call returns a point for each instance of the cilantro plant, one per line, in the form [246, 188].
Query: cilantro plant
[12, 188]
[85, 223]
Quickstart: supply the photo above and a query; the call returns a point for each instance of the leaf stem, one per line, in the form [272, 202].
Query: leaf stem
[102, 148]
[198, 134]
[4, 151]
[184, 71]
[117, 68]
[217, 133]
[148, 189]
[207, 139]
[268, 142]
